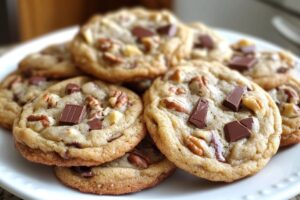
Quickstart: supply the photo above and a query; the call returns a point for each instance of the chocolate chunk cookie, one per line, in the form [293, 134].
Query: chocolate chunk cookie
[15, 91]
[208, 45]
[142, 168]
[212, 122]
[79, 122]
[286, 95]
[131, 44]
[261, 67]
[54, 61]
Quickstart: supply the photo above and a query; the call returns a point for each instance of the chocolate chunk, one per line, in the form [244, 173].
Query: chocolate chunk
[235, 131]
[71, 88]
[141, 32]
[241, 63]
[282, 70]
[205, 41]
[198, 116]
[169, 30]
[247, 122]
[36, 80]
[85, 172]
[72, 114]
[95, 124]
[233, 100]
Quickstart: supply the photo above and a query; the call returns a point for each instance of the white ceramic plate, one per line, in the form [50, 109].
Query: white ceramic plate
[280, 179]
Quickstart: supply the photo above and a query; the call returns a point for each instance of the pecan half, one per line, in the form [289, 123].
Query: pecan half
[194, 145]
[174, 105]
[137, 160]
[118, 99]
[42, 118]
[104, 44]
[111, 58]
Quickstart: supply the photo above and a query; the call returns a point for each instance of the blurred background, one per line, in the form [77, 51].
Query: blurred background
[274, 20]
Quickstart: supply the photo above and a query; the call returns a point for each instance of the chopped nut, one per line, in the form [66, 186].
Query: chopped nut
[194, 145]
[253, 103]
[42, 118]
[176, 76]
[95, 107]
[198, 85]
[174, 105]
[137, 161]
[111, 58]
[51, 99]
[290, 110]
[118, 99]
[287, 58]
[130, 51]
[150, 43]
[177, 91]
[104, 44]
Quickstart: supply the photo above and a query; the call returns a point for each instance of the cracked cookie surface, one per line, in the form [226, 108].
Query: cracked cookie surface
[212, 122]
[131, 44]
[139, 169]
[80, 121]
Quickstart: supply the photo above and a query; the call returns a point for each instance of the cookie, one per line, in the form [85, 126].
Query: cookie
[54, 61]
[261, 67]
[142, 168]
[212, 122]
[80, 121]
[15, 91]
[131, 44]
[208, 45]
[286, 95]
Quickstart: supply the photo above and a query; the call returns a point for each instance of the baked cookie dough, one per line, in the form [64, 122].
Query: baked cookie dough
[131, 44]
[15, 91]
[208, 45]
[142, 168]
[261, 67]
[80, 122]
[212, 122]
[286, 95]
[54, 61]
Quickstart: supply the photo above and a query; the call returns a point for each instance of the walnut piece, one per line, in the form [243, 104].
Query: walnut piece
[118, 99]
[177, 91]
[253, 103]
[42, 118]
[198, 85]
[104, 44]
[172, 104]
[95, 107]
[194, 145]
[290, 110]
[111, 58]
[177, 76]
[138, 161]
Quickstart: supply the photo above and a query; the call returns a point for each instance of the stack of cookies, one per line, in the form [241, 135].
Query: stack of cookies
[137, 93]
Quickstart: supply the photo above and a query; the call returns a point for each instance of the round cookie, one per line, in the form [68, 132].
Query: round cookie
[15, 91]
[54, 61]
[79, 122]
[142, 168]
[261, 67]
[286, 95]
[212, 122]
[131, 44]
[208, 45]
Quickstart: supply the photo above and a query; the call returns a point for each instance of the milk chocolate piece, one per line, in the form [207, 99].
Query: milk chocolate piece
[141, 32]
[36, 80]
[95, 124]
[247, 122]
[233, 100]
[235, 131]
[85, 172]
[71, 88]
[242, 63]
[198, 115]
[169, 30]
[282, 70]
[205, 41]
[72, 114]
